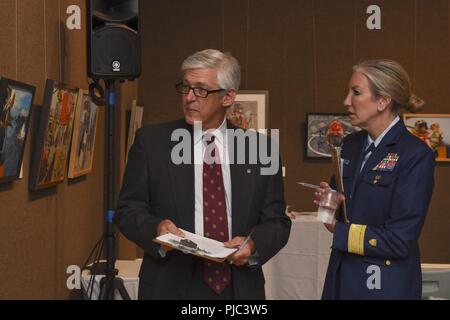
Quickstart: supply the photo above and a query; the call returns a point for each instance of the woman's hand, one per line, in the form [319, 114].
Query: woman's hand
[319, 192]
[318, 196]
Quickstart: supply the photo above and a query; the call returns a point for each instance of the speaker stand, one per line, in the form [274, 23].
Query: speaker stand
[111, 282]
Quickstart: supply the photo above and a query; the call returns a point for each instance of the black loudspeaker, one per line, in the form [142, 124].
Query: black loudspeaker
[114, 44]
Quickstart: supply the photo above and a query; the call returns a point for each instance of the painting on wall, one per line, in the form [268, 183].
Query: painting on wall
[322, 130]
[16, 100]
[84, 132]
[250, 110]
[51, 149]
[433, 129]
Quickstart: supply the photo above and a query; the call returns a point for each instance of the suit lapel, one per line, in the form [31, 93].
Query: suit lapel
[378, 155]
[357, 161]
[381, 151]
[242, 187]
[183, 184]
[241, 195]
[374, 158]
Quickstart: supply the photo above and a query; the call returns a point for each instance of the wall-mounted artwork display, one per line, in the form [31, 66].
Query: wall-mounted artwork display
[16, 100]
[84, 132]
[250, 110]
[433, 129]
[322, 129]
[51, 149]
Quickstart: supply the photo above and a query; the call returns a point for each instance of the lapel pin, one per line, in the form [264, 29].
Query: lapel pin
[377, 179]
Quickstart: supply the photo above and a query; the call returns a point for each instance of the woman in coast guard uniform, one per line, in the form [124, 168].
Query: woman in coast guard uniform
[388, 177]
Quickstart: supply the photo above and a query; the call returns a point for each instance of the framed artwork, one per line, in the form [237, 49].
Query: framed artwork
[322, 129]
[83, 139]
[433, 129]
[137, 113]
[51, 149]
[250, 110]
[16, 100]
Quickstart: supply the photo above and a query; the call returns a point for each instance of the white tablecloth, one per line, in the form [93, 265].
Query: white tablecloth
[128, 272]
[298, 270]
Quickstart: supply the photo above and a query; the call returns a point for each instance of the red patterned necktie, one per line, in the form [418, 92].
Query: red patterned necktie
[215, 221]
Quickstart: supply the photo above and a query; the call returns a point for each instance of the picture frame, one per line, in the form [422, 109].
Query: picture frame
[137, 113]
[54, 134]
[321, 129]
[250, 110]
[16, 101]
[84, 134]
[433, 129]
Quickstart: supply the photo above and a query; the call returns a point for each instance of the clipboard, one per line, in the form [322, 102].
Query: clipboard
[336, 159]
[196, 245]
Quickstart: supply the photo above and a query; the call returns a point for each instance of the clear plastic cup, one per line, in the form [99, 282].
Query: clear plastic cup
[327, 206]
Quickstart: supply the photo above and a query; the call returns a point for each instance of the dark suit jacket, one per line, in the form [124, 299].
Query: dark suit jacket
[392, 203]
[155, 189]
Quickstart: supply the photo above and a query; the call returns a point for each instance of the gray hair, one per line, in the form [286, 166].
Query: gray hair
[228, 70]
[388, 77]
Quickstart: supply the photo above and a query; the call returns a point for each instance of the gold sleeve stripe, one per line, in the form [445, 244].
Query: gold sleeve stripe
[356, 239]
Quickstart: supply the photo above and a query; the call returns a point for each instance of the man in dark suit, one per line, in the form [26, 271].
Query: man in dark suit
[208, 194]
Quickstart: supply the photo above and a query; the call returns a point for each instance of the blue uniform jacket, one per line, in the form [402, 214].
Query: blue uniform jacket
[376, 255]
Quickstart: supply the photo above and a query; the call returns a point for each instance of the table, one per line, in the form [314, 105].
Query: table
[298, 270]
[128, 271]
[435, 281]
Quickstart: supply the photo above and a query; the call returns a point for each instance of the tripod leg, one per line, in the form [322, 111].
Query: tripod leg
[124, 293]
[102, 291]
[118, 284]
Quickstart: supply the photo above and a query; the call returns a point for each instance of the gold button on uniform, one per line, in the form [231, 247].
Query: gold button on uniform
[388, 262]
[373, 242]
[377, 179]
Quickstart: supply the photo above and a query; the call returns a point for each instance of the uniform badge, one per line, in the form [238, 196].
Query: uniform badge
[388, 163]
[377, 179]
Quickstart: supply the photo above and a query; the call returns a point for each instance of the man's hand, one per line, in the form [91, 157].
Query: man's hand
[167, 226]
[241, 256]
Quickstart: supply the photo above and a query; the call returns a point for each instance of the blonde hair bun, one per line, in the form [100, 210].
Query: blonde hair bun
[415, 103]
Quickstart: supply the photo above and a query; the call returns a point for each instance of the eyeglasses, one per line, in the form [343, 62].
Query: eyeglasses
[198, 91]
